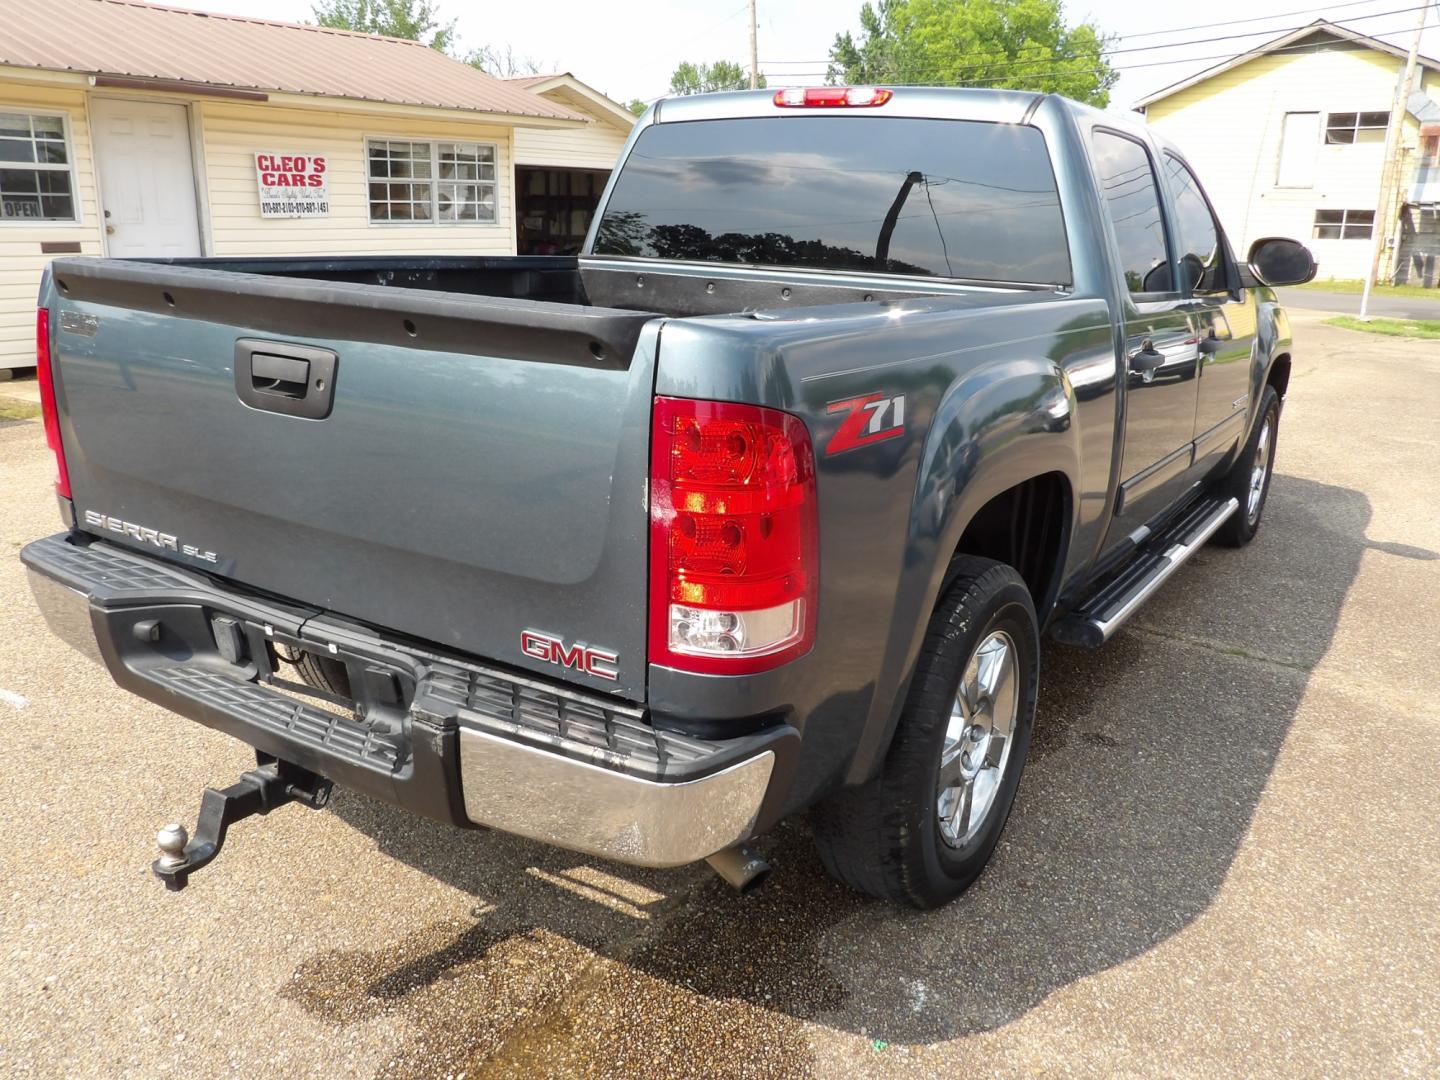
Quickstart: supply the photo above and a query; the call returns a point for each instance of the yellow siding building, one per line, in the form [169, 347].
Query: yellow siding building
[137, 131]
[1290, 141]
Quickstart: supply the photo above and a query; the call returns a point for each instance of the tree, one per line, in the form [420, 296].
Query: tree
[413, 19]
[637, 106]
[707, 78]
[1012, 44]
[502, 62]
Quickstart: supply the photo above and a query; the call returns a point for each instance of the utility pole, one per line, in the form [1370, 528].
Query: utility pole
[1389, 178]
[754, 53]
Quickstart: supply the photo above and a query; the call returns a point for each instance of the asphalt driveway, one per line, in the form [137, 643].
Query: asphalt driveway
[1224, 860]
[1390, 307]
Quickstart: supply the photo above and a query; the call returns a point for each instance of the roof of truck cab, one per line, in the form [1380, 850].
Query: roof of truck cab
[926, 102]
[130, 39]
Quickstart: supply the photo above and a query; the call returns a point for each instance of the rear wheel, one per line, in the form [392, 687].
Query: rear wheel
[923, 830]
[322, 673]
[1248, 480]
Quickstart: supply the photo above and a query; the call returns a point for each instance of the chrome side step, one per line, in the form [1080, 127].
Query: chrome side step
[1097, 617]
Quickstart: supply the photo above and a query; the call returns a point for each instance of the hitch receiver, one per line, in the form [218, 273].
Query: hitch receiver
[270, 784]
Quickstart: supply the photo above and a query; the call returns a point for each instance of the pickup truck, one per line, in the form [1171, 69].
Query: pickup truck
[760, 505]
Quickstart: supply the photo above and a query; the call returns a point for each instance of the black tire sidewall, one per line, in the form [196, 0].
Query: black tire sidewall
[945, 871]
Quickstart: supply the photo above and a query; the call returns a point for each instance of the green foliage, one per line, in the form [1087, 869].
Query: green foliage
[413, 19]
[707, 78]
[637, 106]
[1012, 44]
[1410, 328]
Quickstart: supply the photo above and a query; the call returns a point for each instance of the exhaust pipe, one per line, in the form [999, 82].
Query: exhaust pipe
[740, 866]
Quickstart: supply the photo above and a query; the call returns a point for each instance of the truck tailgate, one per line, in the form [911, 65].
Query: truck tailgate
[479, 471]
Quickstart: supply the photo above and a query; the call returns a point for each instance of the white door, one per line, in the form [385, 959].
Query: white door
[1299, 143]
[147, 180]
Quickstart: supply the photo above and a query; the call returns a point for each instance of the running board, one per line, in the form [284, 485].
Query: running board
[1093, 622]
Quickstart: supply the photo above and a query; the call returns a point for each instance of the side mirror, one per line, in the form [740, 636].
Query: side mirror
[1277, 261]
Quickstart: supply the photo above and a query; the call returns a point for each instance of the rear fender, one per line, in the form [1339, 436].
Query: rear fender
[997, 426]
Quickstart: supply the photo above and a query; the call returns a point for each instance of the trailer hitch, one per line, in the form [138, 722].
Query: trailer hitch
[272, 783]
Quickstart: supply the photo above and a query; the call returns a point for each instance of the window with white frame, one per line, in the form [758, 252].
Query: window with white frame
[1344, 224]
[1343, 128]
[445, 182]
[37, 181]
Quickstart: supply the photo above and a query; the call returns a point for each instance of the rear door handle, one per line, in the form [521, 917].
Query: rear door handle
[293, 380]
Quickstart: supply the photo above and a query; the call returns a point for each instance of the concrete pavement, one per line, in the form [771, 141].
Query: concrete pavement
[1223, 861]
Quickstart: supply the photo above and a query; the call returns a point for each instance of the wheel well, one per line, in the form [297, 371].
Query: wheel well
[1279, 376]
[1024, 527]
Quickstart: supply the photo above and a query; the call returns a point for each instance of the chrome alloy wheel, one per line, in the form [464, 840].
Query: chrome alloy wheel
[977, 739]
[1264, 447]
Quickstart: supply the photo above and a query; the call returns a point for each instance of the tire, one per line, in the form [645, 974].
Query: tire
[1255, 465]
[886, 838]
[323, 674]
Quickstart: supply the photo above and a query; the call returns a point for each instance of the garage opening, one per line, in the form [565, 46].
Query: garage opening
[553, 208]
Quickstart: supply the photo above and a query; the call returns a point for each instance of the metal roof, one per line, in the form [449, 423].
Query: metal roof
[145, 41]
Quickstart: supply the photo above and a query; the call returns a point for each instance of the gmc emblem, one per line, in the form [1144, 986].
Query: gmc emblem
[553, 650]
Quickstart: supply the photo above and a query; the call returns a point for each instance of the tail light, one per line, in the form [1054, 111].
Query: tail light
[45, 376]
[832, 97]
[733, 537]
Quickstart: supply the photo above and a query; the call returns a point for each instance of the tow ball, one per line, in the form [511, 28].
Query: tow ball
[272, 783]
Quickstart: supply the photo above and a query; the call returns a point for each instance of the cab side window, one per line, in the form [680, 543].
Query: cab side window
[1132, 199]
[1202, 256]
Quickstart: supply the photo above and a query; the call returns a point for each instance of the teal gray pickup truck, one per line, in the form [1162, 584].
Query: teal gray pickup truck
[761, 505]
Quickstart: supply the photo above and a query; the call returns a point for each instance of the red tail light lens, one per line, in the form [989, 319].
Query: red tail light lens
[45, 377]
[733, 537]
[832, 97]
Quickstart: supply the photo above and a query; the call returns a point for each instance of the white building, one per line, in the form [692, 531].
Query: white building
[1289, 140]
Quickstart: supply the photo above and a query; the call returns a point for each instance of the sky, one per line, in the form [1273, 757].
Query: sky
[628, 48]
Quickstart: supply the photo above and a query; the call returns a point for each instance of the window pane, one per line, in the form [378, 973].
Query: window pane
[1370, 135]
[897, 195]
[57, 207]
[14, 126]
[33, 194]
[1342, 119]
[50, 152]
[1132, 200]
[398, 163]
[1200, 254]
[1375, 119]
[1327, 232]
[1357, 232]
[48, 127]
[1329, 216]
[1339, 136]
[1366, 217]
[15, 150]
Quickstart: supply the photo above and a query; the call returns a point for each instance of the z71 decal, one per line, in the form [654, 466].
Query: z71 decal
[872, 418]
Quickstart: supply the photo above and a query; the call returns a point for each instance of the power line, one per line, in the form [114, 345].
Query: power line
[1083, 71]
[1152, 48]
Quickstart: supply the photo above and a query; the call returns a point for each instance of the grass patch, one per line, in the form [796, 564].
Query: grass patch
[15, 409]
[1411, 328]
[1418, 292]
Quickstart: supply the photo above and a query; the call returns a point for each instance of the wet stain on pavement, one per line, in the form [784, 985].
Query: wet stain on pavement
[718, 985]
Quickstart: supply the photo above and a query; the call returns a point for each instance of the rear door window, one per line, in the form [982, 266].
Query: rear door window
[935, 198]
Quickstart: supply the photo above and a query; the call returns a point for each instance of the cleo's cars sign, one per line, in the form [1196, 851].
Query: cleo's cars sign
[292, 185]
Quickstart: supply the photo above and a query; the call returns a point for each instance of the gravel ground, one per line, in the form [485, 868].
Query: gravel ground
[1224, 858]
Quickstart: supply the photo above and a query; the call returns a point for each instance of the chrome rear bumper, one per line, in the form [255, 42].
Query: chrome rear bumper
[469, 743]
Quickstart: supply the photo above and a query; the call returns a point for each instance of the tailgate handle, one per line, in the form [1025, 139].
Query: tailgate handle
[294, 380]
[279, 374]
